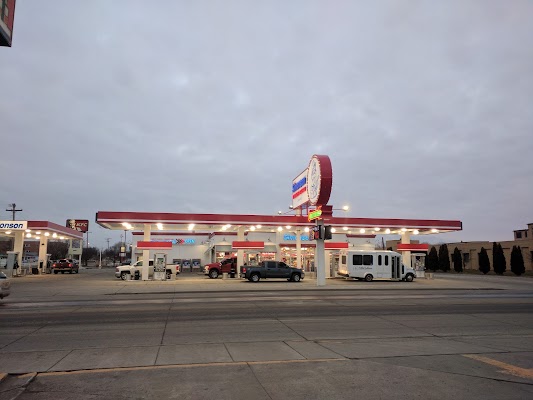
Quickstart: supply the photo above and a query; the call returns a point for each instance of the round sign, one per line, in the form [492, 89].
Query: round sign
[319, 180]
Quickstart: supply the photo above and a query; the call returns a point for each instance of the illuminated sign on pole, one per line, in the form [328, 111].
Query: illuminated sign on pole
[299, 190]
[316, 214]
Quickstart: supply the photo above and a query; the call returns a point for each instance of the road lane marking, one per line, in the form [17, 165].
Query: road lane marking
[506, 368]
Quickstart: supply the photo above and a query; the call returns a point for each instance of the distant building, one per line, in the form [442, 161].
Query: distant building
[470, 250]
[7, 19]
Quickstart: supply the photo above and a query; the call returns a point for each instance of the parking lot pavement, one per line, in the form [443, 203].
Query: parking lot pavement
[92, 283]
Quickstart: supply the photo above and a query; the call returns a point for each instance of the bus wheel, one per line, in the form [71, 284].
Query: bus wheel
[369, 278]
[409, 278]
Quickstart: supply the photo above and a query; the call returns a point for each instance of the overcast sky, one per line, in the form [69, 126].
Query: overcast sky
[424, 107]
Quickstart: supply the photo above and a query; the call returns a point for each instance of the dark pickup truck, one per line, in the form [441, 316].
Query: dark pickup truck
[271, 269]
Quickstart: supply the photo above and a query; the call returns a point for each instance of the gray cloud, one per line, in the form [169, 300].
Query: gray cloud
[205, 106]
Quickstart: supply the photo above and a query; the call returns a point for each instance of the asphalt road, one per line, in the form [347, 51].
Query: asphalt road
[90, 336]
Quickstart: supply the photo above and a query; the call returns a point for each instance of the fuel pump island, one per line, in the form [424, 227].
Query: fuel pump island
[41, 231]
[250, 238]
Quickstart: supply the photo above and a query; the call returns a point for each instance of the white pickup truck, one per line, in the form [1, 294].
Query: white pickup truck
[125, 271]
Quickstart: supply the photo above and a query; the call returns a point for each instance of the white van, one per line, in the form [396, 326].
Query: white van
[374, 264]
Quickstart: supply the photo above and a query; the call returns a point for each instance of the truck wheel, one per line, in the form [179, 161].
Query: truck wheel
[213, 274]
[369, 278]
[124, 276]
[55, 272]
[409, 278]
[295, 277]
[255, 277]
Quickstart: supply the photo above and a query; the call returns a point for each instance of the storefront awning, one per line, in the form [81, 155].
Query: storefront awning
[247, 245]
[145, 245]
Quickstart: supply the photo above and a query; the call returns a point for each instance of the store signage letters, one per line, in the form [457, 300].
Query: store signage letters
[293, 237]
[178, 241]
[13, 225]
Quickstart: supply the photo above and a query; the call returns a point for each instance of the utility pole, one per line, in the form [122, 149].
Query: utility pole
[13, 209]
[107, 240]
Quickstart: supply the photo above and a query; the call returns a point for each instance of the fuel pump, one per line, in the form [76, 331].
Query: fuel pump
[48, 264]
[160, 267]
[12, 266]
[418, 263]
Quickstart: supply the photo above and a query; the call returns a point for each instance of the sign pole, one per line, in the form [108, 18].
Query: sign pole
[320, 259]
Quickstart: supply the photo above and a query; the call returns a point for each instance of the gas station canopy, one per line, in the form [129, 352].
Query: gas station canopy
[37, 229]
[127, 220]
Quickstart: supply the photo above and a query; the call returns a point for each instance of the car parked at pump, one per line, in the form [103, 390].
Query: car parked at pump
[5, 285]
[65, 265]
[271, 269]
[134, 271]
[214, 270]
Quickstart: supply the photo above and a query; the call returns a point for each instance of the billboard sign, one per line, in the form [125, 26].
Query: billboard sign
[299, 190]
[80, 225]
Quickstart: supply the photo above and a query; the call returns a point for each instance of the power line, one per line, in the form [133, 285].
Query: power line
[13, 209]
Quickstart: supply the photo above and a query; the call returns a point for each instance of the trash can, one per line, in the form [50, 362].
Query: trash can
[224, 275]
[232, 273]
[35, 270]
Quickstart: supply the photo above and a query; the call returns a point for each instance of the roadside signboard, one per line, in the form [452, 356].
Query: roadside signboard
[299, 190]
[80, 225]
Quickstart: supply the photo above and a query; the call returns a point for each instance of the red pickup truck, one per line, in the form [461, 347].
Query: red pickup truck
[228, 265]
[64, 265]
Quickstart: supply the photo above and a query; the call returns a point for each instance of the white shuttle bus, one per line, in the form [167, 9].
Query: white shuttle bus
[374, 264]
